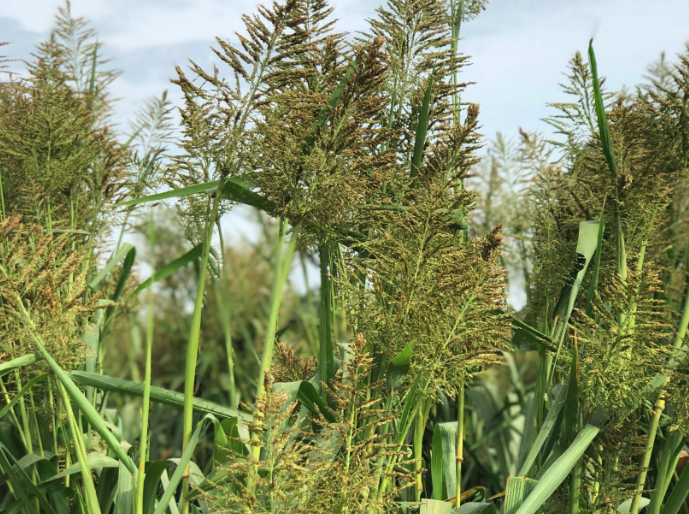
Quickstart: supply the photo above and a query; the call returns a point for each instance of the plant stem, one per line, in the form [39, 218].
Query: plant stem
[324, 329]
[193, 345]
[282, 267]
[419, 426]
[683, 322]
[221, 287]
[143, 446]
[641, 479]
[460, 444]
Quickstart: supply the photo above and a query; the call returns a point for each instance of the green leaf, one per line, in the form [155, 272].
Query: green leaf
[406, 409]
[95, 460]
[236, 190]
[476, 508]
[19, 362]
[593, 286]
[206, 187]
[22, 483]
[305, 392]
[678, 494]
[182, 464]
[154, 471]
[586, 247]
[110, 265]
[27, 387]
[437, 464]
[332, 101]
[559, 470]
[399, 367]
[435, 507]
[325, 312]
[124, 501]
[448, 437]
[626, 505]
[167, 270]
[546, 429]
[227, 441]
[422, 129]
[600, 113]
[158, 394]
[517, 491]
[524, 336]
[670, 452]
[88, 410]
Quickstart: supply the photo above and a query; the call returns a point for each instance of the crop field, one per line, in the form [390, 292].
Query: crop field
[357, 353]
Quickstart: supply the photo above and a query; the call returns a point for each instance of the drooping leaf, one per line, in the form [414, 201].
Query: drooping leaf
[399, 367]
[305, 393]
[158, 394]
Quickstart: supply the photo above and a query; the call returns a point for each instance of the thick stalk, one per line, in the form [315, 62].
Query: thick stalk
[641, 479]
[193, 345]
[419, 426]
[460, 444]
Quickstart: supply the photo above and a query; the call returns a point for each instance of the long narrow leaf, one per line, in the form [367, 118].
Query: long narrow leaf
[182, 464]
[89, 412]
[165, 271]
[562, 466]
[110, 265]
[158, 394]
[544, 433]
[421, 129]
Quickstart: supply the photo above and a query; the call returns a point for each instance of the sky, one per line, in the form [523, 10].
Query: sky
[518, 49]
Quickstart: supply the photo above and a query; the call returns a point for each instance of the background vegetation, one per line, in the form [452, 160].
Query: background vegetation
[151, 361]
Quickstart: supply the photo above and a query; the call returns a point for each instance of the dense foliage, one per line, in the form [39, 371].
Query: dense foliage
[403, 382]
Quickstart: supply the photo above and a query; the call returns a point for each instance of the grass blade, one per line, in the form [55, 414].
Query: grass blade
[561, 467]
[19, 362]
[544, 433]
[517, 491]
[422, 129]
[170, 268]
[110, 265]
[182, 464]
[158, 394]
[679, 493]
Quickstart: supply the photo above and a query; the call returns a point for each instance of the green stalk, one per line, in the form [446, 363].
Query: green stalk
[641, 479]
[419, 426]
[2, 201]
[193, 345]
[143, 447]
[575, 487]
[683, 323]
[225, 315]
[282, 267]
[460, 443]
[91, 498]
[327, 368]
